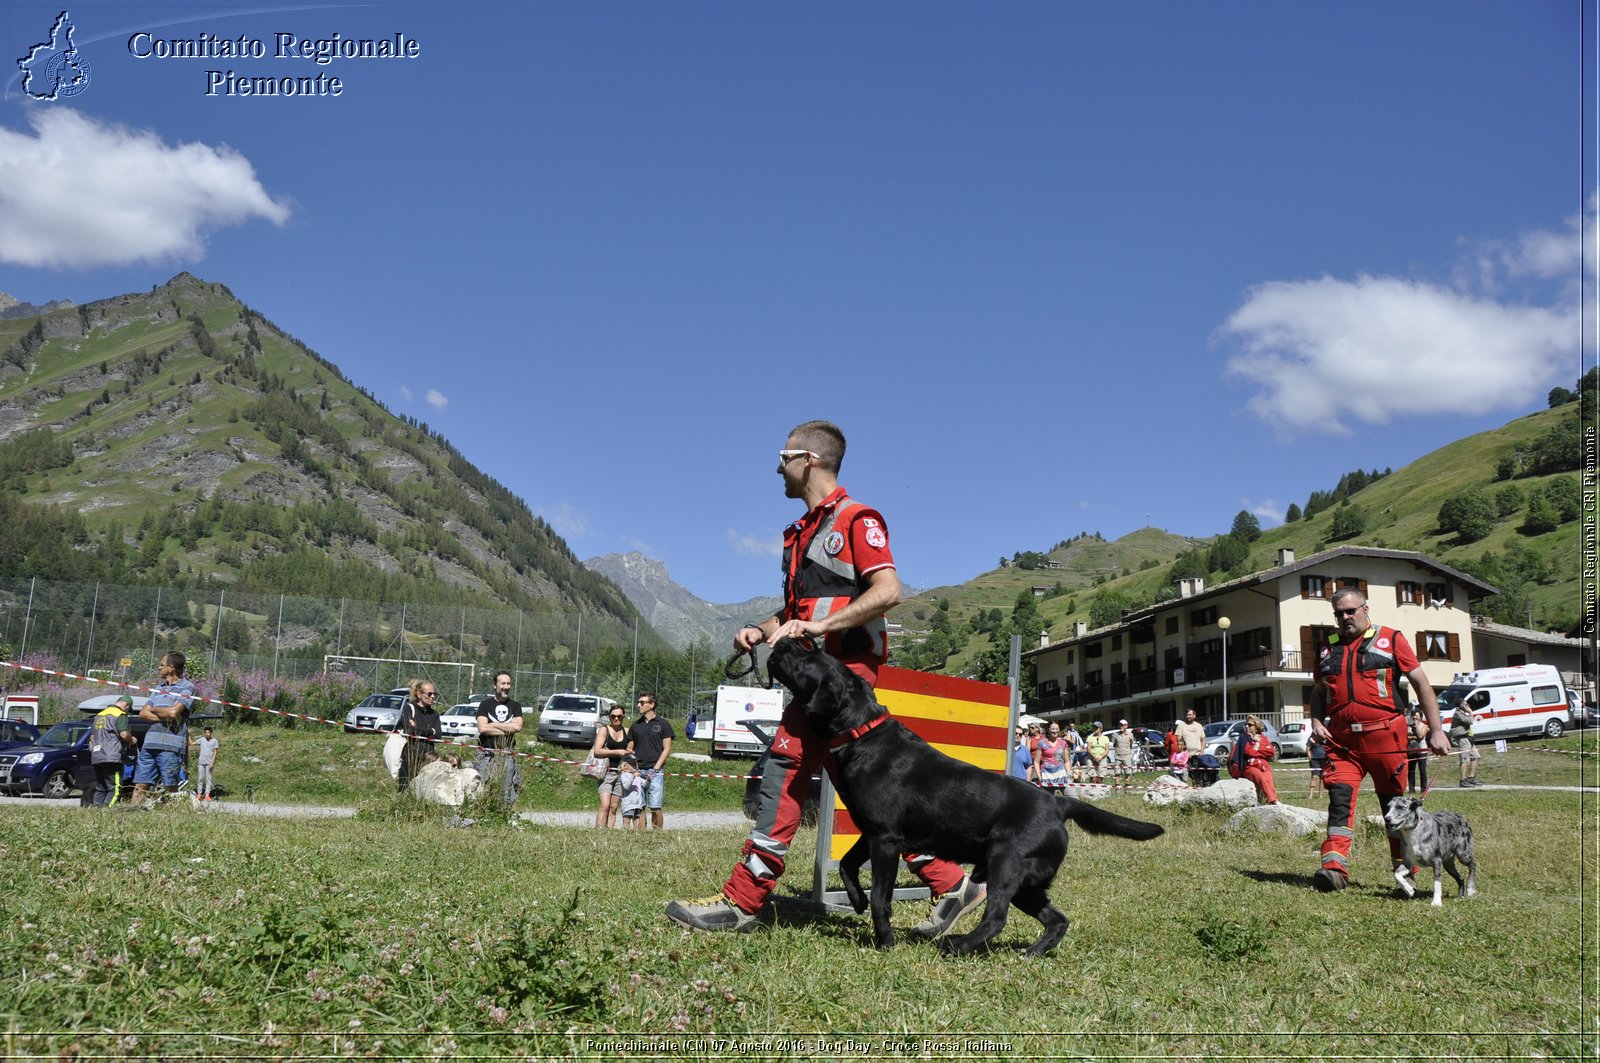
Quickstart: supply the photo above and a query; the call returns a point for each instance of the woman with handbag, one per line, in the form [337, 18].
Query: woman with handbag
[611, 744]
[419, 722]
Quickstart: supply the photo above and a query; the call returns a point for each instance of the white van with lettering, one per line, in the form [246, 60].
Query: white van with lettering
[1526, 699]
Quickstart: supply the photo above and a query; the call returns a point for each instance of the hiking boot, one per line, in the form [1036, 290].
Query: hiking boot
[944, 911]
[1329, 880]
[712, 914]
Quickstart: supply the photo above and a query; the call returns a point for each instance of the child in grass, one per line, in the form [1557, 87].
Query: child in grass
[633, 784]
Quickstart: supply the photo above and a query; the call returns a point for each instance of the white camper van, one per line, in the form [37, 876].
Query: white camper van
[737, 706]
[1525, 699]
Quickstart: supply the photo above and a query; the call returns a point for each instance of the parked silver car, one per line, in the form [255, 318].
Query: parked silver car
[378, 712]
[1220, 736]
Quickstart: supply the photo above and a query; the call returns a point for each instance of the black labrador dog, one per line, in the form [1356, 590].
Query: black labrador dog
[908, 797]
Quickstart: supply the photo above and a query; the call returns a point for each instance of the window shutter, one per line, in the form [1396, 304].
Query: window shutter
[1455, 646]
[1421, 646]
[1363, 587]
[1305, 587]
[1308, 649]
[1399, 594]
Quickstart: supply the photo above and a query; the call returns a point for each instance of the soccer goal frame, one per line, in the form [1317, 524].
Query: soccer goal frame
[470, 668]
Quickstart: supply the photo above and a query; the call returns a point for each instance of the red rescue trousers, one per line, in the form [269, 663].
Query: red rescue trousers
[798, 753]
[1365, 741]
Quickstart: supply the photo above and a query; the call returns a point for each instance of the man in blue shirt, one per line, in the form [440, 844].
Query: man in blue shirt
[1022, 756]
[167, 742]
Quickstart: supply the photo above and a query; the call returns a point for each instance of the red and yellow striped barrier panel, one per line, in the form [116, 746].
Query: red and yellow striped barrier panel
[964, 718]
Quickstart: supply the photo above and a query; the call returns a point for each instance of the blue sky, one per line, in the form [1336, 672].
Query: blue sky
[1054, 267]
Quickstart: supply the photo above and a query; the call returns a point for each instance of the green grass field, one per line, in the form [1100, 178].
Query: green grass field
[175, 933]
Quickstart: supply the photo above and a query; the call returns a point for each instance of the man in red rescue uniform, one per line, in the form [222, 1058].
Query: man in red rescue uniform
[1356, 710]
[838, 582]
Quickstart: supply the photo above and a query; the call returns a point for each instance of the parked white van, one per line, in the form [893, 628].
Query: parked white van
[572, 719]
[1525, 699]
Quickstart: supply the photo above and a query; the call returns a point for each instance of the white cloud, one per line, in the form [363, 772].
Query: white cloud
[1267, 510]
[755, 545]
[568, 521]
[405, 393]
[84, 193]
[1325, 352]
[1544, 253]
[436, 399]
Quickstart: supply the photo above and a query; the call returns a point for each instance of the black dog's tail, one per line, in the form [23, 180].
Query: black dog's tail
[1099, 821]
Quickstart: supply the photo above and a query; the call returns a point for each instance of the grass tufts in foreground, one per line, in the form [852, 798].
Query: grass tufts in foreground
[181, 932]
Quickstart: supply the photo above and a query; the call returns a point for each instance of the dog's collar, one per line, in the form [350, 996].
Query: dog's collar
[856, 732]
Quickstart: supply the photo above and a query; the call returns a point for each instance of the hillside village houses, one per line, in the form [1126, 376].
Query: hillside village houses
[1160, 661]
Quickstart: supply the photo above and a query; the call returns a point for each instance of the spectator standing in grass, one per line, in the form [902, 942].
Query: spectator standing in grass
[634, 785]
[499, 723]
[1098, 747]
[1461, 735]
[166, 743]
[207, 763]
[419, 722]
[1021, 756]
[1417, 755]
[612, 745]
[1050, 758]
[1035, 737]
[1191, 734]
[1077, 753]
[651, 737]
[1122, 740]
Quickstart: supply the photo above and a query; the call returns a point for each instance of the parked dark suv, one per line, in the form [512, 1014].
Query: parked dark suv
[51, 765]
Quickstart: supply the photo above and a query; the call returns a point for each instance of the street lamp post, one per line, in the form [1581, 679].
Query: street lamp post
[1224, 623]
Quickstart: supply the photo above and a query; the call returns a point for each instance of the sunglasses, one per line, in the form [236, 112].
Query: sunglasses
[1348, 612]
[786, 456]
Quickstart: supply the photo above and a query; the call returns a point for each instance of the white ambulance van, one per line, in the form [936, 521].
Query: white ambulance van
[735, 707]
[1525, 699]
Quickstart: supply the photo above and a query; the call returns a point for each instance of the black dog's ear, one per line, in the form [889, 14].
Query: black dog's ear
[840, 699]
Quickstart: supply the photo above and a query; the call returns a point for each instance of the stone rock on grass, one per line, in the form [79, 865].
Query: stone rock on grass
[1289, 819]
[1226, 795]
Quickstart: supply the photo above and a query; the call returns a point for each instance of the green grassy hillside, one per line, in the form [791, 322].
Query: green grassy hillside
[178, 437]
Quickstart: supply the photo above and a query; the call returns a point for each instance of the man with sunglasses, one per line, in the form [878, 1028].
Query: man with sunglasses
[1358, 711]
[838, 583]
[652, 737]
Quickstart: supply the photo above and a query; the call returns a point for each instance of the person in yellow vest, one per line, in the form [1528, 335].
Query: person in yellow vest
[109, 735]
